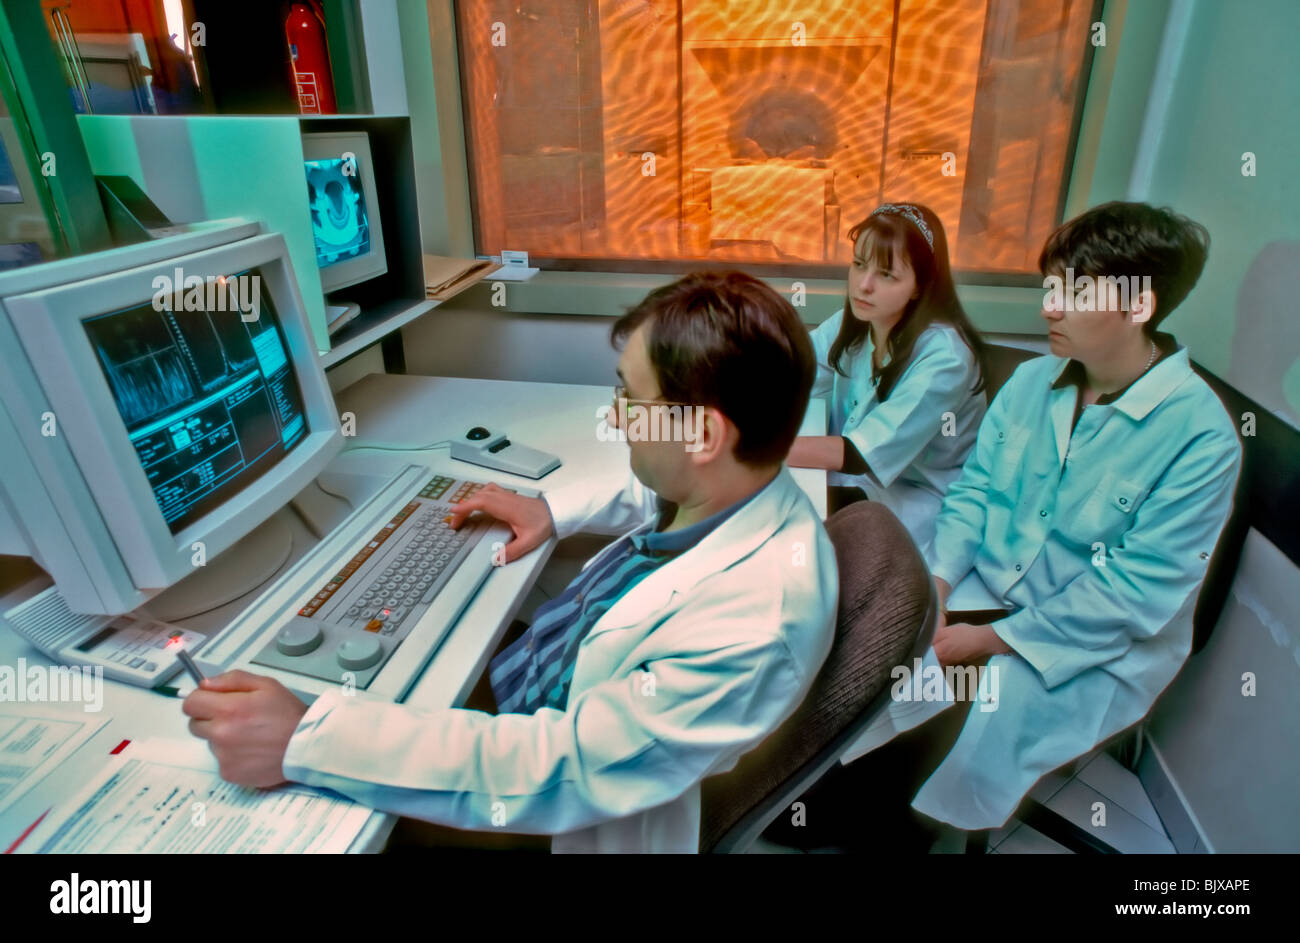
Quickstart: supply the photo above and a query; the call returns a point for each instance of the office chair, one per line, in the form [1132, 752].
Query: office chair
[999, 363]
[886, 618]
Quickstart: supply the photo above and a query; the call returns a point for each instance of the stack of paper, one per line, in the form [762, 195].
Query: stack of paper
[445, 277]
[166, 797]
[34, 741]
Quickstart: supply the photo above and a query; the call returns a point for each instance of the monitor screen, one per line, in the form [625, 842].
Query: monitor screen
[18, 254]
[210, 401]
[9, 191]
[339, 221]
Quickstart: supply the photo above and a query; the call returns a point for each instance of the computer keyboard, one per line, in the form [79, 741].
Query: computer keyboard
[415, 552]
[382, 596]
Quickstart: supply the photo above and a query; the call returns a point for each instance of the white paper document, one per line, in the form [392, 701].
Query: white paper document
[166, 797]
[33, 742]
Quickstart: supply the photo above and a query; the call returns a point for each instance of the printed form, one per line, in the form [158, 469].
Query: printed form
[166, 797]
[35, 741]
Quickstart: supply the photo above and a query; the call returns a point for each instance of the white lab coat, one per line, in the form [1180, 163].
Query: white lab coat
[1096, 539]
[912, 461]
[688, 671]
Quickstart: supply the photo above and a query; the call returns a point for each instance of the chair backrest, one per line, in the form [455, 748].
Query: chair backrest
[999, 363]
[886, 618]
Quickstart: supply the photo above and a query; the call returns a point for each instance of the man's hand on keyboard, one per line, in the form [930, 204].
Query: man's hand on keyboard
[529, 518]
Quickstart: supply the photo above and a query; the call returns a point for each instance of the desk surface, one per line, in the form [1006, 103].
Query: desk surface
[395, 415]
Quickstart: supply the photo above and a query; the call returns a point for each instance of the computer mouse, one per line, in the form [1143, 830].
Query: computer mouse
[478, 432]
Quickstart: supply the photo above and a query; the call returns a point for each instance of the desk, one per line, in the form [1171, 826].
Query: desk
[394, 416]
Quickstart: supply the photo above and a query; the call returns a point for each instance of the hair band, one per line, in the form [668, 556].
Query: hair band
[908, 211]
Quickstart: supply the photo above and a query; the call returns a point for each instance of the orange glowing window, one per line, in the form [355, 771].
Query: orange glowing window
[641, 134]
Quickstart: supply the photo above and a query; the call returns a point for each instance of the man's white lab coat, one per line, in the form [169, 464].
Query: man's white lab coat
[688, 671]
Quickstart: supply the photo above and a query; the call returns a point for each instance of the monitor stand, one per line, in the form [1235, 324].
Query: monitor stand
[248, 565]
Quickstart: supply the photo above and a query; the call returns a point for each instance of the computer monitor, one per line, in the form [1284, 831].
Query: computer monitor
[344, 207]
[24, 231]
[159, 401]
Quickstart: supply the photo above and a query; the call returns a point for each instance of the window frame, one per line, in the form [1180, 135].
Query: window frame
[783, 270]
[1115, 107]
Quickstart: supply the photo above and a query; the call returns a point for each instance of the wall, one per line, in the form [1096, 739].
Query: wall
[1227, 753]
[548, 348]
[200, 168]
[1231, 88]
[381, 33]
[370, 360]
[1226, 75]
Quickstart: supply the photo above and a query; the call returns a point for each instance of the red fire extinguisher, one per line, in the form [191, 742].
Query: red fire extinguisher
[310, 60]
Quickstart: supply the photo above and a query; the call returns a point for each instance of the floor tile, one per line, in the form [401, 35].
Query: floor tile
[1025, 841]
[1048, 786]
[1108, 777]
[1123, 830]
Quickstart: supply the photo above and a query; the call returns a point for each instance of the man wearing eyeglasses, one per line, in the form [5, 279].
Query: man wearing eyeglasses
[678, 648]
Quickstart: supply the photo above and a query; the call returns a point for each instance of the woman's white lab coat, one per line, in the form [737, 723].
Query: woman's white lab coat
[692, 668]
[916, 440]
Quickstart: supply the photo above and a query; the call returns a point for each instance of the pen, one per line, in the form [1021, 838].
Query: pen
[189, 665]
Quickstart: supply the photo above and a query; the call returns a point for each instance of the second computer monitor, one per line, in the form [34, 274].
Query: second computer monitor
[344, 207]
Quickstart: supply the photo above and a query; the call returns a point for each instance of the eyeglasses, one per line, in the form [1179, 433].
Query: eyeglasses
[620, 395]
[621, 400]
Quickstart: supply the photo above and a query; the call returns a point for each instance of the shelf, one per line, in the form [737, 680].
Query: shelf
[372, 326]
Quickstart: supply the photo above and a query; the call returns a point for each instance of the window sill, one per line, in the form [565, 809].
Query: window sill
[992, 308]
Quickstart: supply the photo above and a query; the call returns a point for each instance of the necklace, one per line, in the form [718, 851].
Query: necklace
[1091, 397]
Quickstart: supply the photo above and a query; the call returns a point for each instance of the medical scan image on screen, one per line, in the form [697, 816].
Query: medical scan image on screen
[338, 210]
[210, 401]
